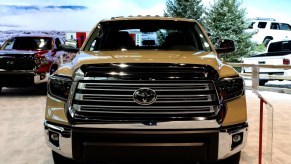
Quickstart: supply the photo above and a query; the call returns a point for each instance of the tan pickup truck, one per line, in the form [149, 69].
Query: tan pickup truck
[147, 89]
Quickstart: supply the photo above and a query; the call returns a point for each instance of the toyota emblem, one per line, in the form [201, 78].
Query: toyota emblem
[144, 96]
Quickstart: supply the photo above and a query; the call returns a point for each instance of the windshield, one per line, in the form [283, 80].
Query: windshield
[29, 43]
[147, 35]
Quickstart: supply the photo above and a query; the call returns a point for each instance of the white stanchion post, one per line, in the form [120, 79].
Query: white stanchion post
[61, 59]
[255, 77]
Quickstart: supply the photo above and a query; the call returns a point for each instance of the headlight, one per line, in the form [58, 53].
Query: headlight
[41, 61]
[231, 87]
[59, 86]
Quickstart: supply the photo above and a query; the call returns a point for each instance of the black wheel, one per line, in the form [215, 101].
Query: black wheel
[262, 82]
[266, 41]
[1, 89]
[234, 159]
[58, 159]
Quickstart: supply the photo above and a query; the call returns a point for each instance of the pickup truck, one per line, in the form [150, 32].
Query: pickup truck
[28, 60]
[131, 96]
[266, 30]
[278, 53]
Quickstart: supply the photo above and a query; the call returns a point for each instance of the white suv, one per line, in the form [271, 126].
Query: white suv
[269, 29]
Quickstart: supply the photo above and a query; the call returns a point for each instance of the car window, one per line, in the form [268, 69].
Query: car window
[62, 41]
[275, 47]
[275, 26]
[251, 25]
[286, 46]
[148, 35]
[58, 43]
[262, 24]
[29, 43]
[280, 46]
[285, 26]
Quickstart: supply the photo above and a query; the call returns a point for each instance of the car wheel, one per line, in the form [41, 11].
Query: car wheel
[58, 159]
[266, 41]
[1, 89]
[262, 82]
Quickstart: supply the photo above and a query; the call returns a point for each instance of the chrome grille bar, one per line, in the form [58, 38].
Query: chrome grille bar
[160, 86]
[100, 95]
[116, 97]
[145, 110]
[129, 98]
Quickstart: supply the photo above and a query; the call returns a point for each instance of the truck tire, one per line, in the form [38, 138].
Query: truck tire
[267, 40]
[58, 159]
[262, 82]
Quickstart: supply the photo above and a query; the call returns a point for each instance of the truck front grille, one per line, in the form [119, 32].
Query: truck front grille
[105, 97]
[17, 62]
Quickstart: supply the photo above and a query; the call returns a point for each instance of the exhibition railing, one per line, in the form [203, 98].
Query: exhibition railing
[258, 66]
[265, 156]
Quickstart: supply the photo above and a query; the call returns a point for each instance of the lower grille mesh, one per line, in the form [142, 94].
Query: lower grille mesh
[20, 62]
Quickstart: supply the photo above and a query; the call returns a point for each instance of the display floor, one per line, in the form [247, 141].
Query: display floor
[22, 137]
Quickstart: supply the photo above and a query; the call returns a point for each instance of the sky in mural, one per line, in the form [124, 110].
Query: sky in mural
[82, 15]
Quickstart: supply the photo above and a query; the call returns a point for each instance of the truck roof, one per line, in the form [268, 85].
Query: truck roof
[36, 35]
[148, 17]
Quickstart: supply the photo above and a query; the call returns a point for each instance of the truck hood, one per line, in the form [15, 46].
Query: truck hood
[204, 58]
[183, 57]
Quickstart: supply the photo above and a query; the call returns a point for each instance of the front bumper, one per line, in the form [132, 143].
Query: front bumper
[92, 144]
[287, 72]
[19, 78]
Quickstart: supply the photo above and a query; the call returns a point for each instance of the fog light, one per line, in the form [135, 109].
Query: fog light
[236, 138]
[55, 136]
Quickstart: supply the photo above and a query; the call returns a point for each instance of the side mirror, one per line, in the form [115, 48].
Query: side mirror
[225, 46]
[71, 46]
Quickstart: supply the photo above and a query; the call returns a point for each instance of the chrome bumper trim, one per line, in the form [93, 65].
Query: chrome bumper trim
[16, 72]
[225, 141]
[287, 72]
[199, 123]
[65, 139]
[37, 79]
[224, 145]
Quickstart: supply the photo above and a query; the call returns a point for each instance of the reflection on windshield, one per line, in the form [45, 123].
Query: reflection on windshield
[149, 35]
[29, 43]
